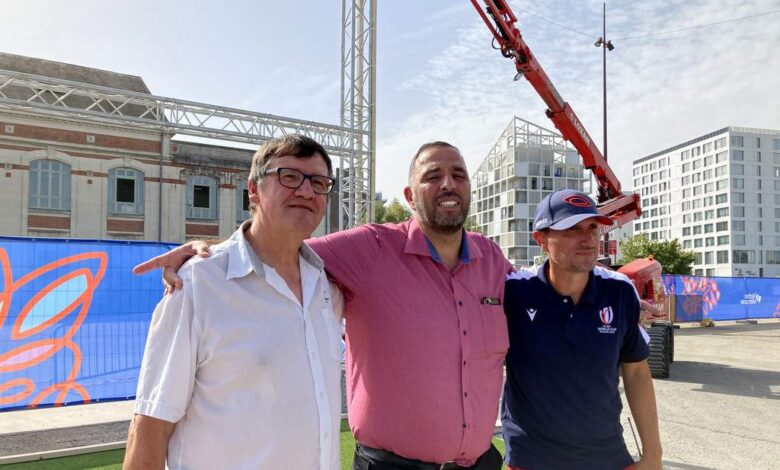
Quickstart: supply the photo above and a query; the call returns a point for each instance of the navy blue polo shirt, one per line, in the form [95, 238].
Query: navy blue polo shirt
[561, 407]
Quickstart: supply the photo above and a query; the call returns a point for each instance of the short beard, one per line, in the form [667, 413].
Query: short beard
[441, 224]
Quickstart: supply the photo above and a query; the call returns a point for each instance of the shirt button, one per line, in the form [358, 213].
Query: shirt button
[566, 301]
[460, 303]
[464, 426]
[464, 363]
[465, 394]
[464, 332]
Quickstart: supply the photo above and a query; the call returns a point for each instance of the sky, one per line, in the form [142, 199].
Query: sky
[437, 76]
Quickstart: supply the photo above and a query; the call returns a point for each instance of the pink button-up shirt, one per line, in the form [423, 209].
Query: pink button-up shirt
[425, 345]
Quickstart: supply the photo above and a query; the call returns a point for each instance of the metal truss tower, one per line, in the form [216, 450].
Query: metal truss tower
[358, 111]
[353, 141]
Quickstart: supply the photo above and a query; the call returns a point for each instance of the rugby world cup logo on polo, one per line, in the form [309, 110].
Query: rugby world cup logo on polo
[607, 315]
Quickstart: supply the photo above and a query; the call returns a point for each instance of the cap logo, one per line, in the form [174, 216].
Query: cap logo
[578, 200]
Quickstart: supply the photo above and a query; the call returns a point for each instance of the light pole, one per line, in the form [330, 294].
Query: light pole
[605, 45]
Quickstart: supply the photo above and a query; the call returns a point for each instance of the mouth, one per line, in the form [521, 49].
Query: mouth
[448, 202]
[299, 206]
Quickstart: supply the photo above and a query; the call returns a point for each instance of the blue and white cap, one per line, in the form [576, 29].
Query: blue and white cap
[566, 208]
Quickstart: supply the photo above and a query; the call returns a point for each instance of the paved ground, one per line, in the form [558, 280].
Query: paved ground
[720, 409]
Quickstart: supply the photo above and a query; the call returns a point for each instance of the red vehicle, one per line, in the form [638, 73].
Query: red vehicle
[613, 203]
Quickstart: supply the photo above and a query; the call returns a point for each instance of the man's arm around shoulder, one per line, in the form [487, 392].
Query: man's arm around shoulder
[640, 394]
[147, 443]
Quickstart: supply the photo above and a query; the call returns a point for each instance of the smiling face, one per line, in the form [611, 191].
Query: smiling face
[439, 190]
[573, 250]
[296, 212]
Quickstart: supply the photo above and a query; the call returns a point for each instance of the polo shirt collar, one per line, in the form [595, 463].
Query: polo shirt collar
[242, 259]
[590, 294]
[418, 244]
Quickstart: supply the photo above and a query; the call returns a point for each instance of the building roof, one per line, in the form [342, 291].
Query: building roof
[75, 73]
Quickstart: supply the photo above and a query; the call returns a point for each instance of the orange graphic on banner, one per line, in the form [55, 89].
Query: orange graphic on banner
[66, 299]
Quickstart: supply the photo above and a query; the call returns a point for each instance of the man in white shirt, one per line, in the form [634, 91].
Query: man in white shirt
[241, 368]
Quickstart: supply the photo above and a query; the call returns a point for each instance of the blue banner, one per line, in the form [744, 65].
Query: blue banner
[726, 298]
[73, 319]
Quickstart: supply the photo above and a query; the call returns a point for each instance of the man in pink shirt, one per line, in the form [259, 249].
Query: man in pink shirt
[426, 333]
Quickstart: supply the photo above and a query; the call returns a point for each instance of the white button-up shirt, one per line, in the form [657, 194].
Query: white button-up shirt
[250, 376]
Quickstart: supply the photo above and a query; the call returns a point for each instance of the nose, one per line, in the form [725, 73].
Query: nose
[447, 182]
[305, 190]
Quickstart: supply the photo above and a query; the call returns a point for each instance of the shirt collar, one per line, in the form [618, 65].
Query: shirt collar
[242, 259]
[418, 244]
[590, 288]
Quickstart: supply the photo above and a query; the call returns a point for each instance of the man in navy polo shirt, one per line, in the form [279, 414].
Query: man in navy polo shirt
[573, 327]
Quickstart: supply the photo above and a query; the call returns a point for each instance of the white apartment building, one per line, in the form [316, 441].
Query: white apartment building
[719, 194]
[526, 164]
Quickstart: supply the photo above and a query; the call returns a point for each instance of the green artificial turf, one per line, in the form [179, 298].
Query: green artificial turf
[112, 459]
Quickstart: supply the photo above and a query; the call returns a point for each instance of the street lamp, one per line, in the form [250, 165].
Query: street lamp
[605, 45]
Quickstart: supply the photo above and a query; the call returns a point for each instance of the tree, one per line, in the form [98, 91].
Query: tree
[471, 224]
[395, 212]
[673, 259]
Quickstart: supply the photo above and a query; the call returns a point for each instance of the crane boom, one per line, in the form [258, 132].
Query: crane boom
[500, 20]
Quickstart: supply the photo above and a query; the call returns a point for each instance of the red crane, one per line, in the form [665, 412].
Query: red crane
[613, 203]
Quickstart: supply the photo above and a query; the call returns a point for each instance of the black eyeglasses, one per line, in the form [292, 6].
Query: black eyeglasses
[293, 179]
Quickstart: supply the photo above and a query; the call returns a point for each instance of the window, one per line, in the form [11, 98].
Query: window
[737, 169]
[242, 202]
[738, 225]
[740, 199]
[708, 228]
[686, 167]
[686, 231]
[696, 164]
[720, 171]
[201, 197]
[738, 211]
[697, 244]
[738, 183]
[709, 241]
[776, 144]
[738, 155]
[710, 214]
[722, 226]
[49, 185]
[737, 140]
[721, 198]
[687, 244]
[723, 257]
[722, 184]
[125, 191]
[743, 256]
[721, 157]
[696, 229]
[708, 257]
[723, 240]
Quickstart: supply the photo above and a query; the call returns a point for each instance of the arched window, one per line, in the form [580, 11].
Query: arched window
[125, 191]
[49, 185]
[201, 197]
[242, 202]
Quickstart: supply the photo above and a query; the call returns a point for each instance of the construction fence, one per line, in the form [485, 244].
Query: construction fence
[74, 319]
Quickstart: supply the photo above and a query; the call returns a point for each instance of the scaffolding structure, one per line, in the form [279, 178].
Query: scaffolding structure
[352, 141]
